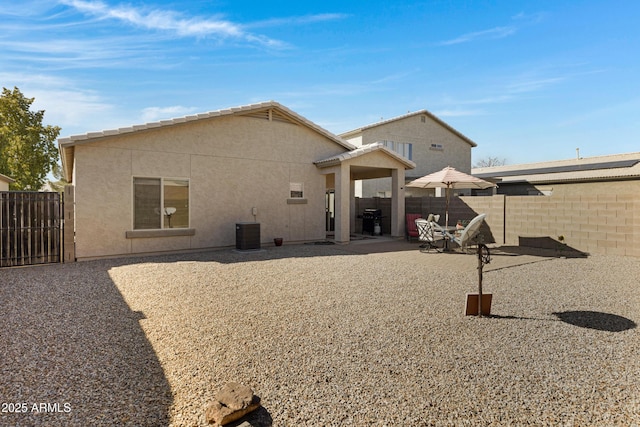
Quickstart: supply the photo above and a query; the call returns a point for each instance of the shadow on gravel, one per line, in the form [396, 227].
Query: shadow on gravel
[596, 320]
[268, 253]
[258, 418]
[498, 316]
[560, 250]
[584, 319]
[73, 353]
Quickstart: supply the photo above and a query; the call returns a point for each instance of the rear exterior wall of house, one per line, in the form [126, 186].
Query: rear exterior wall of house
[232, 165]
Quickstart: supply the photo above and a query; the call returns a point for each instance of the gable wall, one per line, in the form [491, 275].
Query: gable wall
[233, 163]
[456, 152]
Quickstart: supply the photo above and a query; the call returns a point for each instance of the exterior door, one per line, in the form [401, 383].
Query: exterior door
[330, 210]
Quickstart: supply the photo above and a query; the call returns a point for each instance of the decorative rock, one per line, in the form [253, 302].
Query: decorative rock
[231, 403]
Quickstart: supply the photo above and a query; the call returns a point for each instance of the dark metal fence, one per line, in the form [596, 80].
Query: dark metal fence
[30, 228]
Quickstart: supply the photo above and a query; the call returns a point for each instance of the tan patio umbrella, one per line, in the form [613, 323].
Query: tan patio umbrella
[449, 178]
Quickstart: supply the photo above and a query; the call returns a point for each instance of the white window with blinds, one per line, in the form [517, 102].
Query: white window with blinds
[403, 148]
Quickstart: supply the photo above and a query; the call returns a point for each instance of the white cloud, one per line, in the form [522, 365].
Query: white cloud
[171, 21]
[521, 20]
[532, 85]
[458, 113]
[75, 109]
[72, 109]
[297, 20]
[493, 33]
[530, 18]
[70, 53]
[497, 99]
[604, 113]
[153, 114]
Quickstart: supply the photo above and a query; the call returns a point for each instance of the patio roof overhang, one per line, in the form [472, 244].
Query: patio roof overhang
[366, 162]
[369, 161]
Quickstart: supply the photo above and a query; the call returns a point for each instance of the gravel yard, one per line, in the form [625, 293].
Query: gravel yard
[367, 334]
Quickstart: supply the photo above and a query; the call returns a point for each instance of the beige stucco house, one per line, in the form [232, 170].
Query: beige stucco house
[4, 182]
[184, 184]
[422, 138]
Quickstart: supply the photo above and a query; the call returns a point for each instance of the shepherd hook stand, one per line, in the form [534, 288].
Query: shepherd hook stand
[484, 257]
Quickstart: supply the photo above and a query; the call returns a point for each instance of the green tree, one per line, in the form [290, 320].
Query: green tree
[60, 182]
[27, 147]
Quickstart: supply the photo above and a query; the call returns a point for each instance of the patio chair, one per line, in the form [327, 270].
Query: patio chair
[437, 228]
[466, 237]
[427, 235]
[411, 229]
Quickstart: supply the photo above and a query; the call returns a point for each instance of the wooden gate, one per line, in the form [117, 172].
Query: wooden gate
[31, 228]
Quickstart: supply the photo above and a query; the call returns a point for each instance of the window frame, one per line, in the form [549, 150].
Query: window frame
[405, 149]
[296, 200]
[296, 187]
[161, 207]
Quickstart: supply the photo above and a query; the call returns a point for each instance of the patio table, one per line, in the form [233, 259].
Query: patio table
[448, 230]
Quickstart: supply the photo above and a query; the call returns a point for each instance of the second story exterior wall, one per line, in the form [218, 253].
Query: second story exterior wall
[434, 145]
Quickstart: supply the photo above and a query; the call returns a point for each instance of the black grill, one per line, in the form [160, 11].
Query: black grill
[371, 217]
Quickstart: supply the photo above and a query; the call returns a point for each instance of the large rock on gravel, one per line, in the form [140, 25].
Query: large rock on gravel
[231, 403]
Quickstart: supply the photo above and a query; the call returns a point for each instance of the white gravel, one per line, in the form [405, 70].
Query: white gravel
[362, 335]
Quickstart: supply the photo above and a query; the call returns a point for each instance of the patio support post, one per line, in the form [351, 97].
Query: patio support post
[352, 206]
[342, 193]
[397, 203]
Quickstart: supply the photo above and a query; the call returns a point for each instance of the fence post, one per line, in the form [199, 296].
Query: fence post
[69, 224]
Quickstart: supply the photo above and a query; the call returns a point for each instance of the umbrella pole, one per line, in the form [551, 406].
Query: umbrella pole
[479, 280]
[446, 208]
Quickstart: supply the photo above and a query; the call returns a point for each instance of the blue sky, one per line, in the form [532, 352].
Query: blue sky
[526, 80]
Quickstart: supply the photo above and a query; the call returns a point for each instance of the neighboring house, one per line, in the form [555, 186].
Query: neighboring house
[422, 138]
[618, 173]
[5, 181]
[185, 183]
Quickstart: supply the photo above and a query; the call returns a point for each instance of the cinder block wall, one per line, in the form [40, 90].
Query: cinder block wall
[594, 223]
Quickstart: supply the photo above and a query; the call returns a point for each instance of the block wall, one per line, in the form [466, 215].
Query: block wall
[596, 223]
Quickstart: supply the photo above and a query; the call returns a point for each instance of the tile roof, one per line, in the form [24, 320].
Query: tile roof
[360, 151]
[218, 113]
[66, 144]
